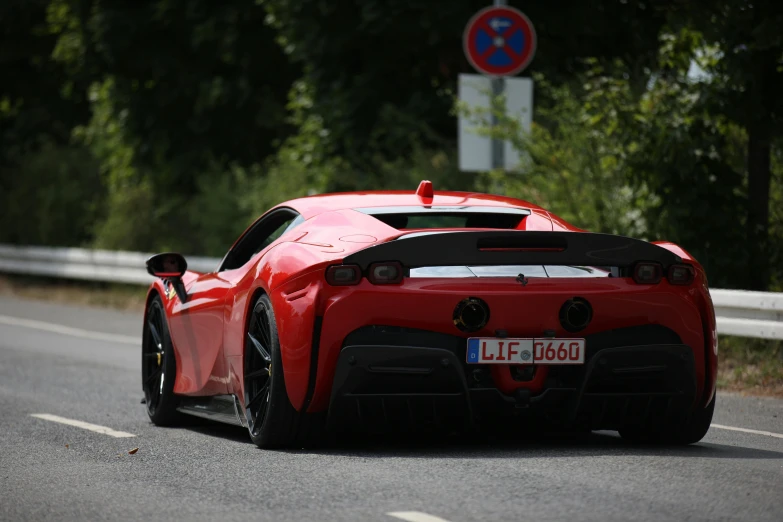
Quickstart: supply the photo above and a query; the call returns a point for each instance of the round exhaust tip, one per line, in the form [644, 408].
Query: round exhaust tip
[576, 314]
[471, 314]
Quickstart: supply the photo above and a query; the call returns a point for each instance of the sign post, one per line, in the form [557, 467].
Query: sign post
[499, 41]
[498, 88]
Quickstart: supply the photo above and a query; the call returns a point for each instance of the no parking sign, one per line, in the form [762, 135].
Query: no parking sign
[499, 41]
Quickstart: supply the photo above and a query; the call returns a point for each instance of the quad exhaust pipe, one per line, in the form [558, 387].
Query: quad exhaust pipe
[576, 314]
[471, 314]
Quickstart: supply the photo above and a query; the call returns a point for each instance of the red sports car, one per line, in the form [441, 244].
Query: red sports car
[418, 310]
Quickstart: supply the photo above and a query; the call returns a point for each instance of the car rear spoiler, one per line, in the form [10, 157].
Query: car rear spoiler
[514, 248]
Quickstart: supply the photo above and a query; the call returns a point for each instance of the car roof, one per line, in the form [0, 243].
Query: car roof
[313, 205]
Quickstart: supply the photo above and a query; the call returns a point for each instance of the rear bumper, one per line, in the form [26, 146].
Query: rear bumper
[388, 378]
[520, 311]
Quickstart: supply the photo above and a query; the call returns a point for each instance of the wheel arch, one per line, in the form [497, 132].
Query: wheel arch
[153, 292]
[157, 290]
[250, 303]
[294, 306]
[165, 413]
[709, 325]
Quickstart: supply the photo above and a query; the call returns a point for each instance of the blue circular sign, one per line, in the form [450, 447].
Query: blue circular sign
[499, 41]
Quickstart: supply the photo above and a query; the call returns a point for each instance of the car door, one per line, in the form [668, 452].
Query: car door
[197, 333]
[197, 325]
[238, 267]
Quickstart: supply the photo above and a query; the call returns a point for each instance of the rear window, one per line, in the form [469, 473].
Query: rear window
[460, 217]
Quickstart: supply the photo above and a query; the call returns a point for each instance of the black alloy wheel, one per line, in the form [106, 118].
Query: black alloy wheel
[258, 367]
[158, 367]
[272, 420]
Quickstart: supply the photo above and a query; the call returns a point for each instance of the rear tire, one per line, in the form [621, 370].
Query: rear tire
[689, 432]
[272, 421]
[159, 367]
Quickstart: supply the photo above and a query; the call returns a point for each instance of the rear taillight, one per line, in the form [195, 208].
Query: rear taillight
[681, 275]
[647, 273]
[389, 273]
[343, 275]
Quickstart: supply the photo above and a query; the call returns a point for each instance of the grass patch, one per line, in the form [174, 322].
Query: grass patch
[750, 365]
[83, 293]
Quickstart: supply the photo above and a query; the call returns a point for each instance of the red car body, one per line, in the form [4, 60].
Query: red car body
[314, 318]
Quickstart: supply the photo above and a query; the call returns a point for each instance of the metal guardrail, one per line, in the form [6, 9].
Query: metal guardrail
[89, 265]
[739, 312]
[749, 314]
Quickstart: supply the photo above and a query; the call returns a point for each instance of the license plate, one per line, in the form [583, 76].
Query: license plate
[491, 350]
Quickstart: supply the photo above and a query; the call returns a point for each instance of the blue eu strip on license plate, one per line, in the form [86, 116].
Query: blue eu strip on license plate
[473, 350]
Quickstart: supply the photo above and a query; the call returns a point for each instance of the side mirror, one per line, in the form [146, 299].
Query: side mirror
[168, 264]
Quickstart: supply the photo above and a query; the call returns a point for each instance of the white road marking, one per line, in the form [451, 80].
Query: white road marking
[67, 330]
[746, 430]
[416, 516]
[84, 425]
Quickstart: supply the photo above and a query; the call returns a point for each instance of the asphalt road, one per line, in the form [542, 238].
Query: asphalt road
[83, 364]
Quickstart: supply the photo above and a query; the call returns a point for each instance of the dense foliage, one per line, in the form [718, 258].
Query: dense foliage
[171, 124]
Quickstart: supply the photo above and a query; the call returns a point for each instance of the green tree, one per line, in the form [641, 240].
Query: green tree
[747, 72]
[52, 196]
[692, 161]
[49, 191]
[776, 217]
[576, 159]
[383, 71]
[38, 101]
[659, 166]
[184, 93]
[190, 81]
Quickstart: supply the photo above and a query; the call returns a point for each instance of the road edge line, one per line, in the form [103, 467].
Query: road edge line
[68, 330]
[747, 430]
[83, 425]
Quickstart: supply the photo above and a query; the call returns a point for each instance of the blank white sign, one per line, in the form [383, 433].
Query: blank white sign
[474, 90]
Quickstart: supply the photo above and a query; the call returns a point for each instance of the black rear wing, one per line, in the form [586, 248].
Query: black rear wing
[514, 248]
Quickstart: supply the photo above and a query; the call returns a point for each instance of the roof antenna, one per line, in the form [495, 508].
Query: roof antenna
[425, 189]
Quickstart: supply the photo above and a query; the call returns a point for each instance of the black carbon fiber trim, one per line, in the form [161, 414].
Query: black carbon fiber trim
[515, 247]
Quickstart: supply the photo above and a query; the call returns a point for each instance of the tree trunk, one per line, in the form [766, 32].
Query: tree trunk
[759, 151]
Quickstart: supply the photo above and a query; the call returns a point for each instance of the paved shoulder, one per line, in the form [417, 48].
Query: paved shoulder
[84, 317]
[758, 413]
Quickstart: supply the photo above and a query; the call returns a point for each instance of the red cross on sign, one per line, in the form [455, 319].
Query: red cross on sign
[499, 41]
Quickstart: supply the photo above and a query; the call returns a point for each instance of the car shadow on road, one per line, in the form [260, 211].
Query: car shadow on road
[541, 445]
[550, 445]
[217, 430]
